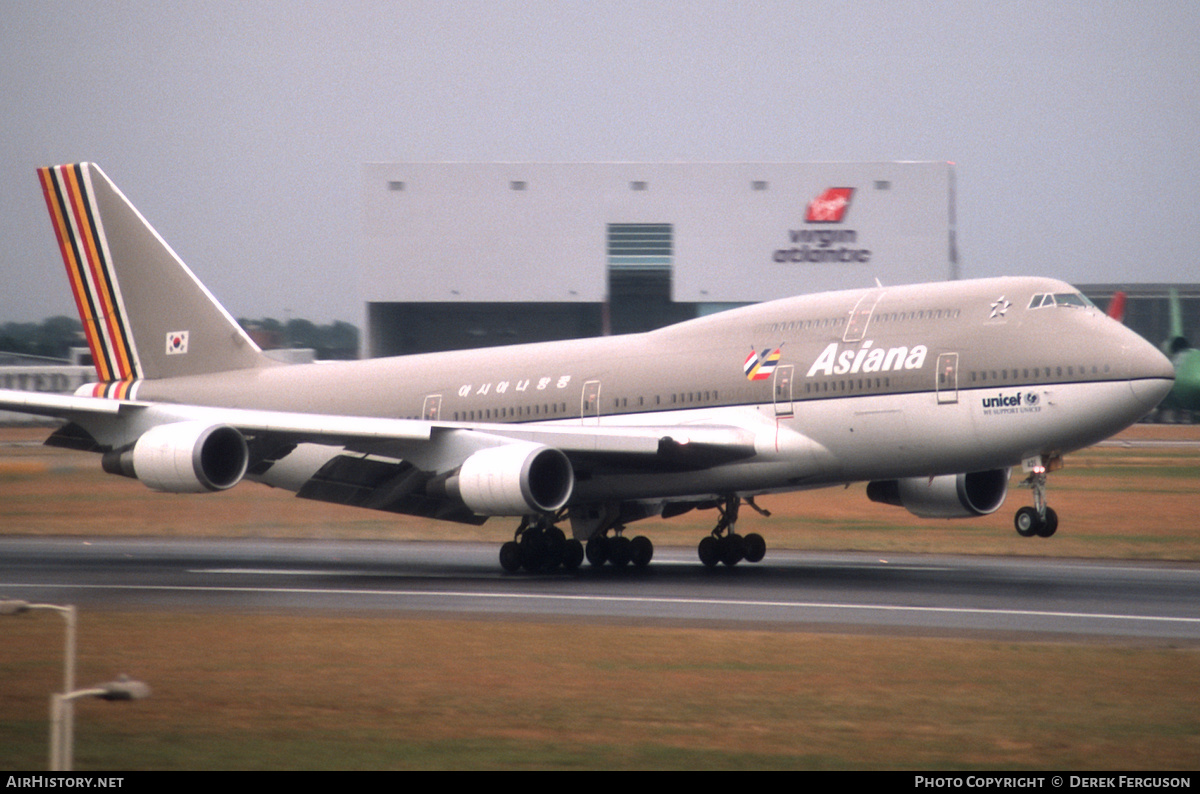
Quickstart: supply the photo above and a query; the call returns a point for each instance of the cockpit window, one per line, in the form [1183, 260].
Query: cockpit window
[1073, 299]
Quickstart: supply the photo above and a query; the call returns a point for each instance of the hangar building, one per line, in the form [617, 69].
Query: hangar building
[461, 255]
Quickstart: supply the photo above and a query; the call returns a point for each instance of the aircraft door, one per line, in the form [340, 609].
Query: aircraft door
[783, 390]
[947, 378]
[589, 403]
[860, 318]
[432, 410]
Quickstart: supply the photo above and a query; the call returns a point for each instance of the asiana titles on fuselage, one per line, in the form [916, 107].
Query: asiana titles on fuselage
[836, 361]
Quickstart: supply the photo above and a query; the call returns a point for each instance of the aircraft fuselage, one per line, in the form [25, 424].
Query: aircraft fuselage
[905, 381]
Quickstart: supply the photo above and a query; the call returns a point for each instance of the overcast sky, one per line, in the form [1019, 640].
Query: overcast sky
[239, 128]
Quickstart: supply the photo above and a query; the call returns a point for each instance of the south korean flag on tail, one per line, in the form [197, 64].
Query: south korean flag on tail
[177, 343]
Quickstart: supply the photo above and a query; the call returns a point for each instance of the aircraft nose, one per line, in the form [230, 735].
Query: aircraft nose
[1151, 374]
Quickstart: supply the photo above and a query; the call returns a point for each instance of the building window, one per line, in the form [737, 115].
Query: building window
[640, 245]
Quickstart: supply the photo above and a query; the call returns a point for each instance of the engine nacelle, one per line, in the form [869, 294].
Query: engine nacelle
[184, 457]
[949, 496]
[514, 480]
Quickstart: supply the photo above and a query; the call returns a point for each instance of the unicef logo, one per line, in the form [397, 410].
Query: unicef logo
[1031, 398]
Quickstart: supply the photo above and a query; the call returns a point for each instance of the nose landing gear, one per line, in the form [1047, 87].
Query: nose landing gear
[1040, 520]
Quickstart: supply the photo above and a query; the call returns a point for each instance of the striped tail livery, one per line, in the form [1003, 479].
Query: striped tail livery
[144, 313]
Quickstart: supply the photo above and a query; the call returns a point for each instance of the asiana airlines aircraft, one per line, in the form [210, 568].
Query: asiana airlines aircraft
[931, 393]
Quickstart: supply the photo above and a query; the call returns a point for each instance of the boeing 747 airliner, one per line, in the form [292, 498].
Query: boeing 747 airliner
[931, 393]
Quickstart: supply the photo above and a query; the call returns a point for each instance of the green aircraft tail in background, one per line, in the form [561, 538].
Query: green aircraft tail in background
[1185, 395]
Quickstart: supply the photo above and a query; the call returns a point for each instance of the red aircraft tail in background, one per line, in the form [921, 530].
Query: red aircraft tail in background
[1116, 307]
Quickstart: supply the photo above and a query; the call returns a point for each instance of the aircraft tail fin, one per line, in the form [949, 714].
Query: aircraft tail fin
[145, 314]
[1176, 341]
[1116, 306]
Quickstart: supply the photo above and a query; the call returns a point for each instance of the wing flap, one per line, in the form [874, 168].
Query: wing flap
[395, 486]
[675, 447]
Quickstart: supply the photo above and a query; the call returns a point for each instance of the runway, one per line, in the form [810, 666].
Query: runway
[908, 594]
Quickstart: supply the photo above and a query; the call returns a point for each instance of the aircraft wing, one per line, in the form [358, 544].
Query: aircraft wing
[374, 462]
[57, 405]
[373, 435]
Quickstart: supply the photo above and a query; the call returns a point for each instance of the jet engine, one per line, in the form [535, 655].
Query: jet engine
[949, 496]
[514, 480]
[184, 457]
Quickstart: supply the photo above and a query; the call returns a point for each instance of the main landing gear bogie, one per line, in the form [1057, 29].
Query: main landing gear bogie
[724, 545]
[540, 547]
[620, 551]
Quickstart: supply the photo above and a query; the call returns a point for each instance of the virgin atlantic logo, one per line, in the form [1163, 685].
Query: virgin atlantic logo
[830, 206]
[825, 245]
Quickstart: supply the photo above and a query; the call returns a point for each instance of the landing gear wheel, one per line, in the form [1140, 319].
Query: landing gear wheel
[533, 551]
[554, 544]
[572, 555]
[510, 557]
[708, 552]
[1027, 522]
[597, 551]
[756, 547]
[732, 548]
[1050, 525]
[619, 552]
[641, 551]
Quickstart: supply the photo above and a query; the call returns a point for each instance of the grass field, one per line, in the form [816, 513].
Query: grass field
[286, 691]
